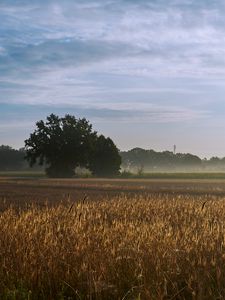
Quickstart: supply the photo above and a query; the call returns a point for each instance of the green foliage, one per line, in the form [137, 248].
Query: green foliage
[105, 160]
[138, 158]
[62, 144]
[11, 159]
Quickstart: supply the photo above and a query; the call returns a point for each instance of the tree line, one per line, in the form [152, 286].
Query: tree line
[135, 160]
[141, 160]
[12, 159]
[61, 144]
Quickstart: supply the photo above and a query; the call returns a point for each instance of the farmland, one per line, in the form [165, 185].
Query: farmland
[112, 239]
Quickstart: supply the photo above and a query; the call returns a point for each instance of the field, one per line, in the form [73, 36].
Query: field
[112, 239]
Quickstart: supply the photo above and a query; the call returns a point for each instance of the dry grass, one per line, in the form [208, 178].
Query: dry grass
[141, 247]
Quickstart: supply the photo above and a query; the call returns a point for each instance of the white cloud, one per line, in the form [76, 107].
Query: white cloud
[60, 53]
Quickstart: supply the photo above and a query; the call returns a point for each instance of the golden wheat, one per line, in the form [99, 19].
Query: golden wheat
[139, 247]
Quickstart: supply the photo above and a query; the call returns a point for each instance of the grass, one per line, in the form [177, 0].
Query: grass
[126, 175]
[27, 174]
[175, 175]
[123, 247]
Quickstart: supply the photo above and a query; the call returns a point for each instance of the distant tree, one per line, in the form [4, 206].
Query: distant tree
[188, 159]
[105, 160]
[214, 160]
[10, 159]
[61, 144]
[160, 161]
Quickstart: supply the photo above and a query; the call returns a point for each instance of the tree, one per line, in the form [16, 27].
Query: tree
[105, 160]
[61, 144]
[10, 159]
[160, 161]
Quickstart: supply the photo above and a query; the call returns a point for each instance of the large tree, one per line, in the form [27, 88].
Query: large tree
[61, 144]
[105, 159]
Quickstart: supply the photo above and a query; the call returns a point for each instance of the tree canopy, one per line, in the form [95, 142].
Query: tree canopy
[105, 158]
[62, 144]
[151, 160]
[11, 159]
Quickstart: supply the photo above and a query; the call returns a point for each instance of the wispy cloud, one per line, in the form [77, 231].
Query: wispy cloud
[123, 60]
[145, 37]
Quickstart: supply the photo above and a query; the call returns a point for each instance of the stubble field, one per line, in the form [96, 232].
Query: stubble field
[112, 239]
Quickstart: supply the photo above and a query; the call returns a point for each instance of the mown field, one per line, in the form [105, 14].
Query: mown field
[112, 239]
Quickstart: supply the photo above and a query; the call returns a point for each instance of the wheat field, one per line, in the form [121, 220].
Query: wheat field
[124, 247]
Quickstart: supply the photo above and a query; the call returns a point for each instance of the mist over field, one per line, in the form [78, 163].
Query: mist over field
[143, 161]
[136, 161]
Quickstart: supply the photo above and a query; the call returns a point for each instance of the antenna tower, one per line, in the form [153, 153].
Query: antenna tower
[174, 149]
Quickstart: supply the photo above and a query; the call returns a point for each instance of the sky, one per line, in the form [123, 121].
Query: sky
[147, 73]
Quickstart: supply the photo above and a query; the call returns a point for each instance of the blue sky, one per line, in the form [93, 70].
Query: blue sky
[146, 73]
